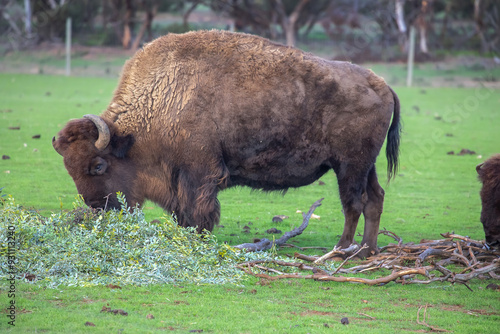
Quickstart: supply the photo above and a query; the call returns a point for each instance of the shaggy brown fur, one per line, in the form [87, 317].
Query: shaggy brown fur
[203, 111]
[489, 175]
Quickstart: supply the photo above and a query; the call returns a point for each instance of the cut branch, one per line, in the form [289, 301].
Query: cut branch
[350, 257]
[265, 244]
[246, 267]
[336, 250]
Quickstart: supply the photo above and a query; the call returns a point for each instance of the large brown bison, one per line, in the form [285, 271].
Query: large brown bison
[489, 175]
[196, 113]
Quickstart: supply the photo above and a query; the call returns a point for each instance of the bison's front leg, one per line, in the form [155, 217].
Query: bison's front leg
[197, 199]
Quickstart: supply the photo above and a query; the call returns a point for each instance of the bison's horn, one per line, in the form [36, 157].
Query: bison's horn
[58, 150]
[478, 168]
[104, 137]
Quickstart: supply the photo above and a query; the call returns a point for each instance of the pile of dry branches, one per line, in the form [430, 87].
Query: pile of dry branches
[424, 263]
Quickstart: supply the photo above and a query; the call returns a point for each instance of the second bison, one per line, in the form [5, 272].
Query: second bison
[196, 113]
[489, 175]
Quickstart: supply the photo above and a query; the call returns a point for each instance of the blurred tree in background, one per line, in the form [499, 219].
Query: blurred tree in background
[263, 17]
[441, 24]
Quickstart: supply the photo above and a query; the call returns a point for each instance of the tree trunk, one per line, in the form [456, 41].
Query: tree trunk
[400, 20]
[27, 19]
[111, 15]
[423, 38]
[289, 23]
[478, 20]
[146, 26]
[444, 29]
[185, 17]
[127, 23]
[421, 24]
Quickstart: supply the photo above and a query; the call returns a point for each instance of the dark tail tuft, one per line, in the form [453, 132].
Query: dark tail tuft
[393, 140]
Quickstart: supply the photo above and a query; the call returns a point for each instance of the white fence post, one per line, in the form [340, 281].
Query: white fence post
[411, 54]
[68, 46]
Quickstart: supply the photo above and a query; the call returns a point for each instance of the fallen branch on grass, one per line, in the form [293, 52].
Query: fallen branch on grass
[424, 323]
[320, 275]
[339, 251]
[405, 261]
[265, 244]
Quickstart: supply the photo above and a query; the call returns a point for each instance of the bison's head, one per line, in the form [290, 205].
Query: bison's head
[96, 158]
[489, 175]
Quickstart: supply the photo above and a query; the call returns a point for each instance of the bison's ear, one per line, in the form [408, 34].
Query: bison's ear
[121, 145]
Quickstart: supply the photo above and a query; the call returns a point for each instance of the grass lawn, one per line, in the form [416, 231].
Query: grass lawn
[257, 307]
[435, 192]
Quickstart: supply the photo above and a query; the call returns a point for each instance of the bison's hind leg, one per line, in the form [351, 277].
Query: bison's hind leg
[372, 212]
[360, 192]
[353, 195]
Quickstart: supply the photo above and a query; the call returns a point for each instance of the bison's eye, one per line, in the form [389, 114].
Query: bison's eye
[98, 166]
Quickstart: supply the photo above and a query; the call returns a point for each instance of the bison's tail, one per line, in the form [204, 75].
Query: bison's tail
[393, 140]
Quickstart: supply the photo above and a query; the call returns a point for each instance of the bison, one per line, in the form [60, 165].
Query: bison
[489, 175]
[200, 112]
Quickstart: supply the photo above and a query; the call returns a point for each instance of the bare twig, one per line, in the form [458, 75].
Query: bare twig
[392, 235]
[368, 316]
[424, 323]
[430, 252]
[488, 269]
[350, 257]
[460, 256]
[456, 236]
[265, 244]
[107, 199]
[335, 250]
[471, 253]
[305, 257]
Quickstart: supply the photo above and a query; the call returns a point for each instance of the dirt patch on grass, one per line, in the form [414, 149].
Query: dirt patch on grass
[57, 303]
[462, 309]
[452, 308]
[91, 301]
[314, 312]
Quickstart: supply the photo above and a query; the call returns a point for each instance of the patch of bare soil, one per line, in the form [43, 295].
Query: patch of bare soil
[314, 312]
[462, 309]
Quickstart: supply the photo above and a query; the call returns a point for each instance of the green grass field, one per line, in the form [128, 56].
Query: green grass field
[434, 193]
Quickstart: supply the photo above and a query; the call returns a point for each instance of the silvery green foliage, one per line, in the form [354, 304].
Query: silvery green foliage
[87, 247]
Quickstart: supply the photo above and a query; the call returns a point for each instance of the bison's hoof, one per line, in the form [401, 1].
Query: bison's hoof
[366, 253]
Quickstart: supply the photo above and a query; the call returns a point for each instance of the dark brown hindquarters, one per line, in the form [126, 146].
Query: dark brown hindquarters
[361, 193]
